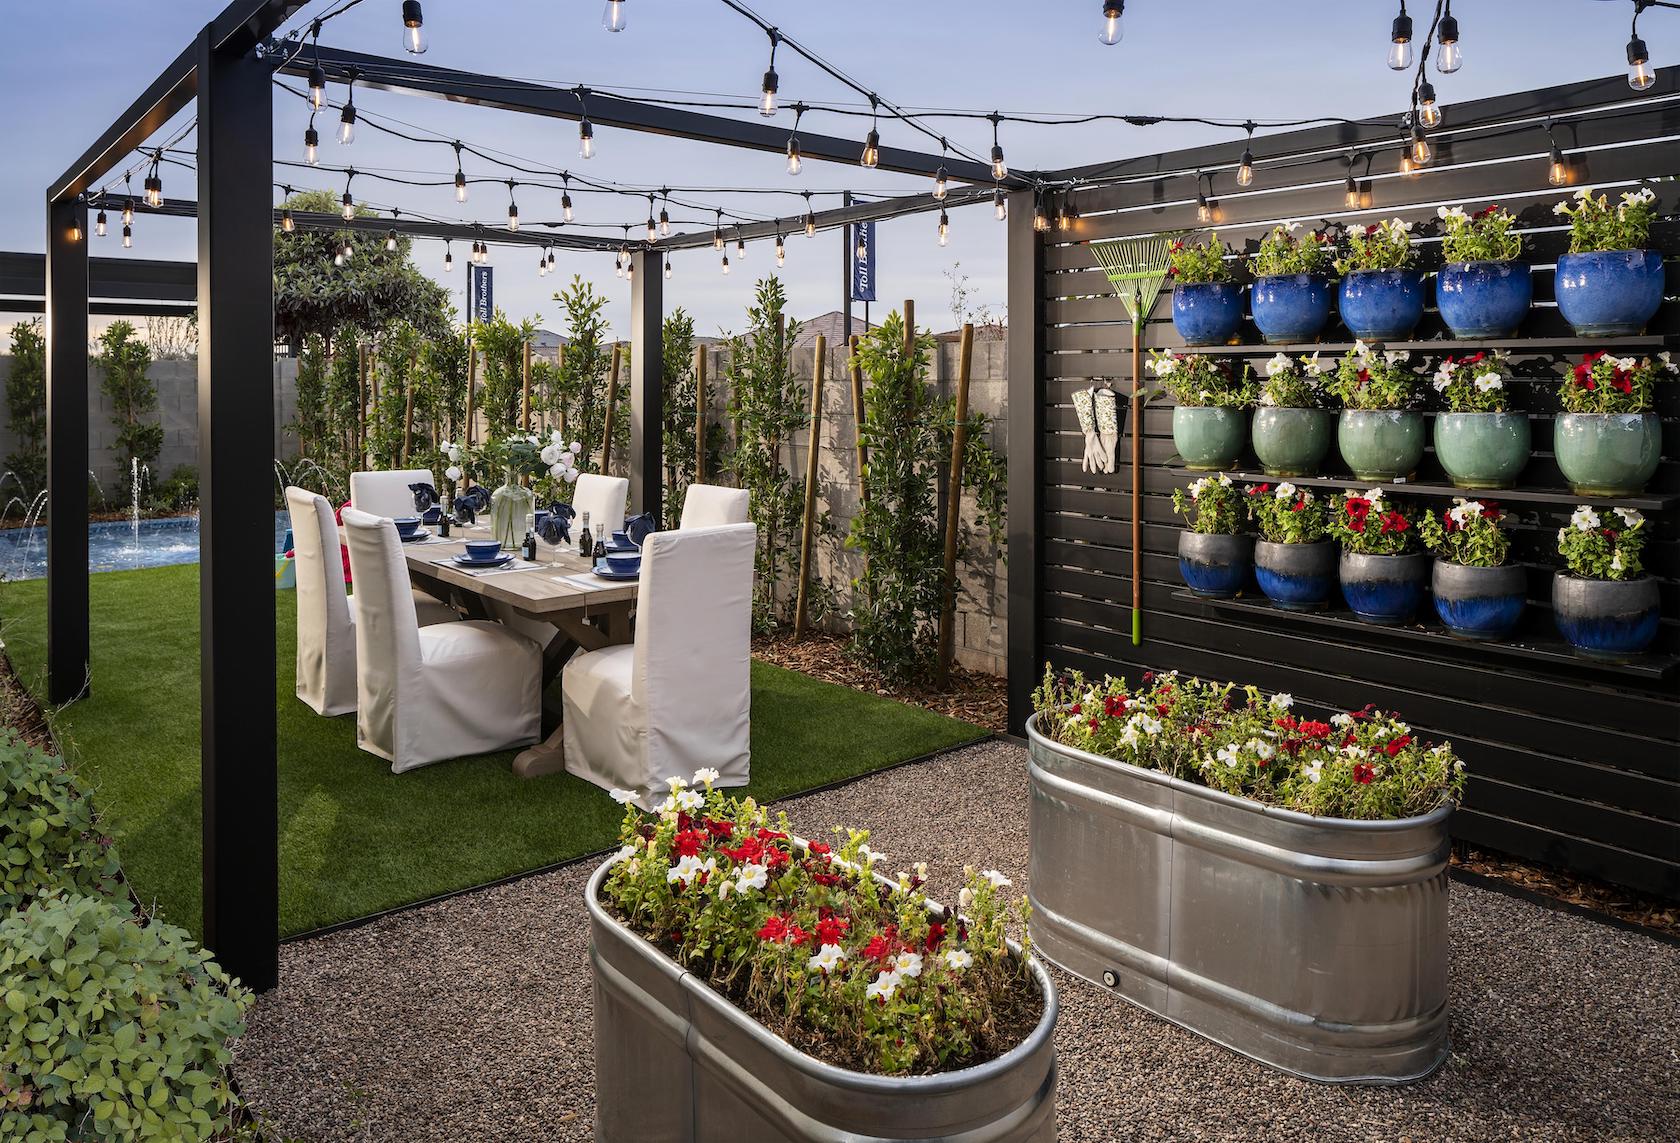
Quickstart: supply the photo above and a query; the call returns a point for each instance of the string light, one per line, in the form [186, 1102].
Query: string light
[1041, 220]
[338, 254]
[311, 142]
[391, 241]
[629, 268]
[717, 232]
[128, 205]
[944, 228]
[1112, 32]
[448, 257]
[75, 230]
[513, 208]
[551, 259]
[664, 215]
[1245, 169]
[347, 205]
[1204, 212]
[566, 197]
[1448, 56]
[612, 16]
[652, 226]
[1421, 152]
[781, 250]
[1352, 196]
[347, 117]
[1000, 169]
[941, 178]
[1400, 41]
[740, 246]
[1557, 167]
[460, 175]
[872, 142]
[1429, 112]
[154, 183]
[99, 224]
[810, 217]
[793, 155]
[767, 98]
[586, 139]
[667, 267]
[1407, 166]
[128, 236]
[1640, 75]
[317, 75]
[414, 34]
[726, 262]
[542, 265]
[1000, 204]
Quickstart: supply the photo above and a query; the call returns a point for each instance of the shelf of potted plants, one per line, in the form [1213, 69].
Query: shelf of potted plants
[1650, 341]
[1647, 501]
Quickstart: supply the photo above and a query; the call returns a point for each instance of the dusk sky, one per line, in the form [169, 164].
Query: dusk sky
[72, 66]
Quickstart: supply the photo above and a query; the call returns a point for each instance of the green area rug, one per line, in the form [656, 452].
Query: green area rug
[355, 838]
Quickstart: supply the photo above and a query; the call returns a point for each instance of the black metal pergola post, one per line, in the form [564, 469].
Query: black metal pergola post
[647, 383]
[67, 449]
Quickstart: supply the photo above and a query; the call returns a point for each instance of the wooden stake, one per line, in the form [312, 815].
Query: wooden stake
[814, 452]
[953, 506]
[857, 417]
[559, 406]
[612, 404]
[472, 377]
[361, 402]
[525, 384]
[700, 414]
[408, 410]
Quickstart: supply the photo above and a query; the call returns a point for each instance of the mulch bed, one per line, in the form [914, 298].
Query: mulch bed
[1598, 896]
[20, 711]
[972, 696]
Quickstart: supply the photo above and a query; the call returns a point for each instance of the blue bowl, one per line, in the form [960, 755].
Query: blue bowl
[432, 515]
[624, 562]
[484, 549]
[622, 539]
[407, 525]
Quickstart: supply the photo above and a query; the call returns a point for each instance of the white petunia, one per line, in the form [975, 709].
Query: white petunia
[751, 876]
[453, 472]
[1230, 754]
[684, 871]
[1561, 208]
[724, 887]
[1584, 518]
[687, 800]
[625, 852]
[705, 776]
[908, 964]
[1279, 364]
[828, 958]
[965, 897]
[1291, 227]
[998, 880]
[1667, 360]
[870, 854]
[958, 959]
[1265, 750]
[623, 797]
[1311, 365]
[1285, 491]
[1360, 349]
[1314, 770]
[1343, 721]
[883, 987]
[1631, 517]
[1616, 562]
[1283, 700]
[1489, 381]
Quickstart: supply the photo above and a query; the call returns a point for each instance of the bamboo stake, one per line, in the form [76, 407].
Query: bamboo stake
[813, 453]
[560, 407]
[361, 402]
[857, 418]
[953, 504]
[700, 414]
[408, 411]
[472, 377]
[525, 384]
[612, 403]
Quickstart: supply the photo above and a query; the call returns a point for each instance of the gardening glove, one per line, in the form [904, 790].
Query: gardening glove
[1083, 408]
[1107, 403]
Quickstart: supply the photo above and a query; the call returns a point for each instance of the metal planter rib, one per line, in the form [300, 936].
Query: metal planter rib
[676, 1062]
[1315, 945]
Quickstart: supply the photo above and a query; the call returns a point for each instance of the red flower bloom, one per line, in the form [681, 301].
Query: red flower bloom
[832, 930]
[1394, 522]
[936, 933]
[1114, 705]
[1314, 729]
[1364, 773]
[821, 848]
[882, 946]
[773, 929]
[750, 849]
[717, 828]
[1395, 745]
[1076, 708]
[688, 842]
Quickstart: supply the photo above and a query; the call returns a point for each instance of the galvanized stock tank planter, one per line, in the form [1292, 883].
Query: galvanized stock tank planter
[678, 1063]
[1315, 945]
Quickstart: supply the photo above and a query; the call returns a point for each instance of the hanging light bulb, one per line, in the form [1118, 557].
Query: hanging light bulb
[1216, 211]
[311, 145]
[1245, 169]
[740, 247]
[484, 252]
[128, 236]
[513, 208]
[793, 163]
[1429, 112]
[460, 177]
[565, 201]
[1558, 172]
[612, 16]
[1421, 151]
[1041, 218]
[1448, 56]
[338, 255]
[75, 231]
[349, 247]
[667, 267]
[551, 259]
[347, 207]
[154, 191]
[781, 251]
[810, 217]
[1351, 197]
[391, 241]
[448, 258]
[1000, 169]
[941, 185]
[317, 81]
[128, 210]
[542, 266]
[629, 269]
[652, 230]
[1204, 212]
[726, 262]
[1000, 205]
[347, 117]
[1640, 75]
[1400, 41]
[665, 217]
[586, 138]
[944, 228]
[871, 149]
[767, 90]
[414, 34]
[1112, 32]
[717, 232]
[99, 224]
[618, 264]
[1407, 166]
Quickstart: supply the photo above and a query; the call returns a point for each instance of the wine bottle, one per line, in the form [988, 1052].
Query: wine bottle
[586, 542]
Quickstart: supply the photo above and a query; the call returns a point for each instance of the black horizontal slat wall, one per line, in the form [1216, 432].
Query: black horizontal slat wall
[1572, 762]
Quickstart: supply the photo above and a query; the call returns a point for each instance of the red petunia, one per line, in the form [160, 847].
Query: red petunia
[773, 929]
[1364, 773]
[832, 930]
[1395, 745]
[688, 842]
[820, 848]
[1394, 522]
[936, 933]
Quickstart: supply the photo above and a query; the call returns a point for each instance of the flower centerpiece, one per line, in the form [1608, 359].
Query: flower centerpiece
[1604, 604]
[1611, 281]
[1483, 290]
[1477, 594]
[1291, 426]
[1206, 303]
[1291, 293]
[1294, 557]
[1379, 433]
[1479, 440]
[1608, 439]
[1208, 420]
[1383, 574]
[547, 464]
[1381, 297]
[1213, 553]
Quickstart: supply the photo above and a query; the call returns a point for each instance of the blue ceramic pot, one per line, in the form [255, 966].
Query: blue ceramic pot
[1290, 307]
[1384, 589]
[1296, 577]
[1214, 565]
[1484, 299]
[1206, 313]
[1484, 604]
[1612, 619]
[1609, 293]
[1382, 305]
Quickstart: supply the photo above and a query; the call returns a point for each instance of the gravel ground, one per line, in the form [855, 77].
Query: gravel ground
[470, 1019]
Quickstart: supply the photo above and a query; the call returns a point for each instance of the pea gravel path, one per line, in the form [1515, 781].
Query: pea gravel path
[470, 1019]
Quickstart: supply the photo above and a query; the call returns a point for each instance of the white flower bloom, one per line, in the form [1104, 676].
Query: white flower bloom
[1489, 381]
[684, 871]
[883, 987]
[1396, 356]
[751, 876]
[675, 783]
[1584, 518]
[724, 887]
[1311, 365]
[998, 880]
[921, 868]
[705, 776]
[1224, 481]
[1279, 364]
[1343, 721]
[1616, 562]
[1561, 208]
[965, 897]
[1283, 700]
[1562, 532]
[1627, 363]
[1285, 491]
[908, 964]
[828, 958]
[549, 454]
[1265, 750]
[958, 959]
[1354, 751]
[870, 855]
[687, 800]
[453, 472]
[1230, 754]
[625, 851]
[1360, 349]
[1314, 771]
[1291, 227]
[577, 448]
[1375, 496]
[1631, 517]
[623, 797]
[1667, 360]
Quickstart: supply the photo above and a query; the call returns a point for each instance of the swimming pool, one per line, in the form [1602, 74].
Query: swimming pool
[112, 545]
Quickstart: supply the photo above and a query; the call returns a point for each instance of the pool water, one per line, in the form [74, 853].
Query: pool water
[112, 546]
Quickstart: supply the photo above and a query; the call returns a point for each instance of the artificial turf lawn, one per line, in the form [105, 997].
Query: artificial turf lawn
[355, 838]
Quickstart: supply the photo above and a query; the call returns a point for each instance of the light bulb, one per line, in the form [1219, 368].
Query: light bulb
[1000, 205]
[767, 100]
[414, 34]
[1429, 112]
[810, 225]
[944, 228]
[781, 251]
[941, 185]
[338, 256]
[1400, 42]
[612, 16]
[128, 210]
[1421, 152]
[128, 236]
[1448, 56]
[1215, 211]
[513, 216]
[1112, 32]
[448, 261]
[793, 155]
[1041, 220]
[347, 125]
[871, 148]
[1245, 169]
[1351, 198]
[75, 232]
[566, 207]
[1000, 169]
[460, 185]
[542, 266]
[726, 263]
[99, 224]
[717, 238]
[667, 267]
[630, 269]
[618, 264]
[347, 207]
[1640, 75]
[317, 88]
[154, 192]
[586, 138]
[311, 146]
[1407, 167]
[664, 222]
[1204, 213]
[391, 241]
[652, 230]
[740, 249]
[551, 260]
[1558, 175]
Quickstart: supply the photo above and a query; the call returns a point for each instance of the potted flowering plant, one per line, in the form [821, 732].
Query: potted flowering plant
[1483, 291]
[1291, 293]
[1294, 557]
[1381, 297]
[1291, 426]
[1206, 304]
[1213, 553]
[1608, 439]
[1383, 574]
[1380, 436]
[1604, 604]
[753, 984]
[1234, 812]
[1479, 440]
[1208, 420]
[1477, 594]
[1610, 282]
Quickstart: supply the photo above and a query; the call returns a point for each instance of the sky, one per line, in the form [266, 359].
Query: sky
[70, 67]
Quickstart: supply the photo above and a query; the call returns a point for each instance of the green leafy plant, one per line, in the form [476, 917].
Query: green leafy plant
[1471, 533]
[1367, 765]
[1603, 547]
[853, 968]
[1379, 246]
[501, 347]
[1603, 383]
[1474, 384]
[579, 390]
[1596, 225]
[26, 407]
[1287, 514]
[1369, 378]
[1489, 235]
[1292, 383]
[179, 492]
[1283, 252]
[1211, 506]
[1369, 525]
[50, 836]
[116, 1027]
[1197, 380]
[124, 359]
[681, 410]
[1193, 262]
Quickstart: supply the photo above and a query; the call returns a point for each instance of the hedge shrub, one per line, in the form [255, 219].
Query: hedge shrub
[50, 836]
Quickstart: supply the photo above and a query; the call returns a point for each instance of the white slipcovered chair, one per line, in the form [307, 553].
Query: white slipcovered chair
[387, 493]
[603, 497]
[709, 505]
[680, 697]
[426, 694]
[326, 613]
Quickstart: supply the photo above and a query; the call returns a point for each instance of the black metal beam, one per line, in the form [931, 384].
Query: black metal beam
[384, 74]
[1025, 442]
[150, 279]
[647, 383]
[873, 211]
[66, 288]
[236, 584]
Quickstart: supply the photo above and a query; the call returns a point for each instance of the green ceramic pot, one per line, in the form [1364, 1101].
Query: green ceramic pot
[1482, 450]
[1209, 440]
[1291, 442]
[1607, 454]
[1380, 444]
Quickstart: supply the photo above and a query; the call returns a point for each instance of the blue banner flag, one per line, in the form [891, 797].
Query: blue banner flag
[863, 262]
[483, 303]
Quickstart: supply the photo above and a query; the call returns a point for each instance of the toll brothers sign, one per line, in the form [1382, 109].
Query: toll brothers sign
[481, 300]
[863, 263]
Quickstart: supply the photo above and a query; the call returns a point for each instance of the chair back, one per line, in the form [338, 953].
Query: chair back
[325, 638]
[387, 631]
[709, 505]
[387, 493]
[603, 497]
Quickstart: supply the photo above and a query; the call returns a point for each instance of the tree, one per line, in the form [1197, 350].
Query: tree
[501, 346]
[682, 408]
[124, 359]
[576, 393]
[26, 403]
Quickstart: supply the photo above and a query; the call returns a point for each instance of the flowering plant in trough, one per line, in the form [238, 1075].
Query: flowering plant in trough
[1196, 380]
[1210, 506]
[1380, 246]
[1471, 533]
[1604, 383]
[1284, 251]
[1194, 262]
[1596, 225]
[1292, 383]
[857, 969]
[1603, 546]
[1372, 378]
[1489, 235]
[1474, 383]
[1368, 524]
[1287, 514]
[1366, 765]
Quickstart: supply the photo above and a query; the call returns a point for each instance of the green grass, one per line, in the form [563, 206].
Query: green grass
[355, 838]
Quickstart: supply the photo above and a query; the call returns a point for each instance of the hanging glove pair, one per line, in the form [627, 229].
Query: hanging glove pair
[1098, 411]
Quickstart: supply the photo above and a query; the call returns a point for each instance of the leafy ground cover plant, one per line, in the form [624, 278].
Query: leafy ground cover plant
[1197, 380]
[1195, 262]
[859, 971]
[1286, 514]
[1370, 378]
[1368, 765]
[1286, 251]
[50, 835]
[1292, 383]
[1489, 235]
[1474, 383]
[1367, 524]
[1471, 533]
[1603, 547]
[1379, 246]
[1211, 506]
[1603, 383]
[1596, 225]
